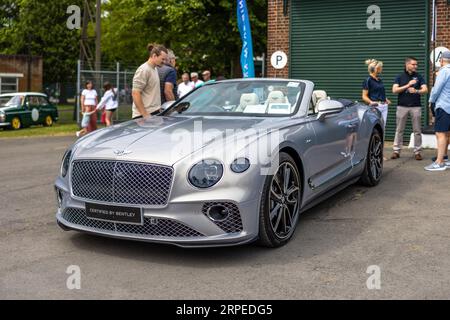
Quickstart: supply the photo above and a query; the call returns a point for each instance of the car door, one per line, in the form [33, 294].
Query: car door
[333, 150]
[34, 109]
[44, 109]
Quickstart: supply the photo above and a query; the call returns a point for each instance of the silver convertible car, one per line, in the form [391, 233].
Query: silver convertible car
[232, 162]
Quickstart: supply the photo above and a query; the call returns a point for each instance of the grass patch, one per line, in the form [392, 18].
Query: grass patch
[37, 131]
[65, 126]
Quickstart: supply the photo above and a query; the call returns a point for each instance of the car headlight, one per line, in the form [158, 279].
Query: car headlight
[240, 165]
[65, 163]
[206, 173]
[2, 116]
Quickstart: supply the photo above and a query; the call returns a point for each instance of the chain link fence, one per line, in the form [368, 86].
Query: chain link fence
[119, 76]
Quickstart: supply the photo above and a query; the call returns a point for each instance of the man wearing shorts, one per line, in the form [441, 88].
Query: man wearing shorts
[440, 95]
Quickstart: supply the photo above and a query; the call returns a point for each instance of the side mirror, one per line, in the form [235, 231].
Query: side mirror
[167, 105]
[183, 106]
[328, 107]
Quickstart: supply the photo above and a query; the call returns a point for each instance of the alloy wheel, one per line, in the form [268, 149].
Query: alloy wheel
[376, 157]
[284, 200]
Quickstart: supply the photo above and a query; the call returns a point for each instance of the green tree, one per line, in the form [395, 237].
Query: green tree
[39, 28]
[203, 34]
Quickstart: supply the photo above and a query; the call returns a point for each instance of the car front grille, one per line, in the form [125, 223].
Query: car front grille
[121, 182]
[158, 227]
[233, 223]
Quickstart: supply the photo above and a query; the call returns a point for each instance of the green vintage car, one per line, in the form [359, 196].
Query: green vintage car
[23, 109]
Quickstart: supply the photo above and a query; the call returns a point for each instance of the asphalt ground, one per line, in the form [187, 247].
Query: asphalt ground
[401, 226]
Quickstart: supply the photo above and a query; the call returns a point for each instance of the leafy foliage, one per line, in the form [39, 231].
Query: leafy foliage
[203, 33]
[39, 28]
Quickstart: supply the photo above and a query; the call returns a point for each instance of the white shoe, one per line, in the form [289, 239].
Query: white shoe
[436, 167]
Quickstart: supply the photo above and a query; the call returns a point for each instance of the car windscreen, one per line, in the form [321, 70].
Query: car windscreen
[242, 98]
[10, 101]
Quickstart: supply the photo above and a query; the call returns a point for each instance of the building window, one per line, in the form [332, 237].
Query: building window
[9, 84]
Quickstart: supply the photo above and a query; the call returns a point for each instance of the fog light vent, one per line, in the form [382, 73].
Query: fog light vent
[225, 215]
[59, 197]
[218, 213]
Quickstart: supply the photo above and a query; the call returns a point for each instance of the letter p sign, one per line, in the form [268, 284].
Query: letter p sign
[279, 60]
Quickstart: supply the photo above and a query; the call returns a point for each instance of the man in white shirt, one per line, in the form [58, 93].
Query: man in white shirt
[184, 87]
[195, 81]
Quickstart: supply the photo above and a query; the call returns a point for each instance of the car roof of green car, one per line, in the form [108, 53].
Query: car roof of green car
[23, 94]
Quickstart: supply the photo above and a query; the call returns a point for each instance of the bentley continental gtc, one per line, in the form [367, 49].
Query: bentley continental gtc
[232, 162]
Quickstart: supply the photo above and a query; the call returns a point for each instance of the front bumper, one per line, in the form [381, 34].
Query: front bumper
[180, 224]
[5, 124]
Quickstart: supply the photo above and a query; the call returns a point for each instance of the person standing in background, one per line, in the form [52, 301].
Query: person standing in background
[109, 102]
[168, 78]
[146, 87]
[440, 95]
[409, 86]
[374, 93]
[206, 76]
[89, 101]
[195, 82]
[185, 86]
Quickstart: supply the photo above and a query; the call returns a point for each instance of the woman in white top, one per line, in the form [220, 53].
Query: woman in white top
[89, 101]
[109, 102]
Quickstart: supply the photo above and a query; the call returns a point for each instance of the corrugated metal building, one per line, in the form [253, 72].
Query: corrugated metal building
[328, 41]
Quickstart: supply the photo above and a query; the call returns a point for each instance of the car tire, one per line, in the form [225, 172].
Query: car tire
[48, 121]
[16, 123]
[280, 204]
[373, 169]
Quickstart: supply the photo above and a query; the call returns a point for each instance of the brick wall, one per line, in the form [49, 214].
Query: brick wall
[443, 33]
[443, 26]
[19, 64]
[443, 23]
[277, 36]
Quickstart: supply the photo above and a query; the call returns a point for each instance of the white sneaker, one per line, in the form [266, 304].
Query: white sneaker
[436, 167]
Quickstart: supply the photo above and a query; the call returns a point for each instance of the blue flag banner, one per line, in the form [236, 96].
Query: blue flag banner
[248, 68]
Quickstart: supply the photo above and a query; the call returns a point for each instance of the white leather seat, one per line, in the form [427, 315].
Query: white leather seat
[317, 96]
[246, 100]
[276, 97]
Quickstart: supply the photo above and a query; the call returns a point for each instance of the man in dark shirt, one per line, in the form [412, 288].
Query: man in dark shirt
[168, 78]
[409, 86]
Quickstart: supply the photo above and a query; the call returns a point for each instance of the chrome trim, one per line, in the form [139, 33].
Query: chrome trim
[225, 240]
[117, 226]
[217, 220]
[232, 223]
[119, 203]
